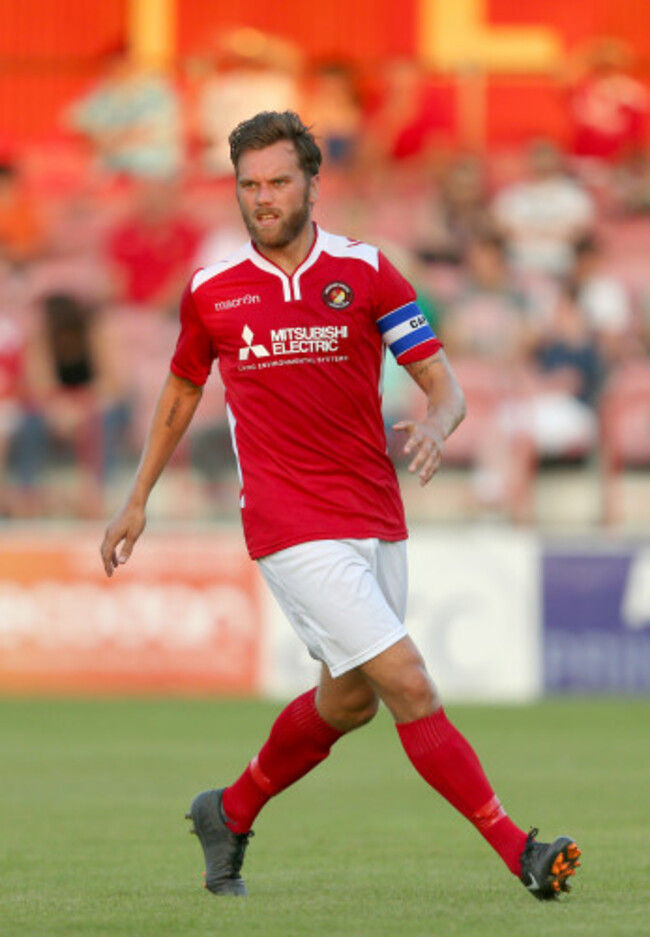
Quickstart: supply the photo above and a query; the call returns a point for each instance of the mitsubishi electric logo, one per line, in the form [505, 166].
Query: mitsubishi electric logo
[259, 351]
[317, 344]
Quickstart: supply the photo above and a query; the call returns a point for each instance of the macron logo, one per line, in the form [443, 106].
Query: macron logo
[259, 351]
[248, 300]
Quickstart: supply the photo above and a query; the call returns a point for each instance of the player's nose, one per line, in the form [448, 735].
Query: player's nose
[264, 194]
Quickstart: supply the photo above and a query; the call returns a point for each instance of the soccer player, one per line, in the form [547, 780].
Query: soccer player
[298, 320]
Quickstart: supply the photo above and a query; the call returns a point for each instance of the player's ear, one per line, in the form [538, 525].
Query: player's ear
[314, 189]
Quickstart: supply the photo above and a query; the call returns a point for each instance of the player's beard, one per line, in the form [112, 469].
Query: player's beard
[286, 232]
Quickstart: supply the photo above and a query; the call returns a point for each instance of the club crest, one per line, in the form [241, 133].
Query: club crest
[338, 295]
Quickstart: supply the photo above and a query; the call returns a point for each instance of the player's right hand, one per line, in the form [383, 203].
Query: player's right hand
[124, 529]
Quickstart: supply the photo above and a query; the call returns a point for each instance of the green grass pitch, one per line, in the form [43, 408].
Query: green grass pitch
[93, 839]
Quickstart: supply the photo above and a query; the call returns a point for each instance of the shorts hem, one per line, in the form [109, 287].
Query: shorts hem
[364, 656]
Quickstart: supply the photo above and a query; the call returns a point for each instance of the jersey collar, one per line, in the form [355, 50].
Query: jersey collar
[290, 284]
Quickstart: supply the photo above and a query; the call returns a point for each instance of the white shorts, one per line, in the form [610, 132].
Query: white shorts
[346, 599]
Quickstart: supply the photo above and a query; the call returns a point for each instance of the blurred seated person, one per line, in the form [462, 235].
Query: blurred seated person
[553, 418]
[75, 398]
[151, 251]
[491, 318]
[21, 228]
[606, 304]
[560, 411]
[530, 379]
[542, 216]
[457, 214]
[132, 118]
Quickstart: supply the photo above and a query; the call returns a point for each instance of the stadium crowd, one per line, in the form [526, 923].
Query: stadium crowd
[530, 263]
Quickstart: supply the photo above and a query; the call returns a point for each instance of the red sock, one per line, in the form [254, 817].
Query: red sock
[300, 739]
[449, 764]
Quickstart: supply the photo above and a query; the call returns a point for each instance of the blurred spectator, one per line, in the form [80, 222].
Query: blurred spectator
[491, 318]
[552, 416]
[543, 216]
[21, 228]
[566, 354]
[332, 107]
[458, 213]
[608, 107]
[530, 381]
[74, 397]
[606, 304]
[151, 251]
[250, 71]
[133, 119]
[561, 411]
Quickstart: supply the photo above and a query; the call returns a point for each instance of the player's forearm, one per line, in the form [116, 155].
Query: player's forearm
[172, 415]
[445, 398]
[446, 408]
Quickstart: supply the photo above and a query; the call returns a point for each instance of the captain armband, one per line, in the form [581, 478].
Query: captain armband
[405, 329]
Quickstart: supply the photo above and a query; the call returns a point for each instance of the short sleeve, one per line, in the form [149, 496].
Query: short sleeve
[404, 327]
[193, 356]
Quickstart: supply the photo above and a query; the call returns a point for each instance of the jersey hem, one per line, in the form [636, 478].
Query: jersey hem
[260, 552]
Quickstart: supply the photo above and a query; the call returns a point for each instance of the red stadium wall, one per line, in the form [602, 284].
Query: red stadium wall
[578, 20]
[50, 49]
[361, 31]
[382, 28]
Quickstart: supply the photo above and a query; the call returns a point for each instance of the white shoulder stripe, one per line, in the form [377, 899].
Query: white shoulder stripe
[337, 246]
[214, 270]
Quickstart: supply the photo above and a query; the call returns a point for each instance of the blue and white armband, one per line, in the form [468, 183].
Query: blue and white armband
[408, 334]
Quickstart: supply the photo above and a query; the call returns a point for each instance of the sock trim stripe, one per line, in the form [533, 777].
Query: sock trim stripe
[489, 814]
[261, 780]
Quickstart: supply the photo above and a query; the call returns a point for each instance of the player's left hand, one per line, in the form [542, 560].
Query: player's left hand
[123, 531]
[425, 443]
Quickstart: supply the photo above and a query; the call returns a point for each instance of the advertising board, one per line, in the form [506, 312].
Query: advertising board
[183, 616]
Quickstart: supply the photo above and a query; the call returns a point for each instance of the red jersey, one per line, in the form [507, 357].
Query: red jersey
[301, 359]
[150, 257]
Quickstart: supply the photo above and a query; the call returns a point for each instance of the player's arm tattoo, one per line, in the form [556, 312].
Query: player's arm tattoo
[172, 412]
[423, 371]
[418, 369]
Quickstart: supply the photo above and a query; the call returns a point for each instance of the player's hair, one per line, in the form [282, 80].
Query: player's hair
[270, 127]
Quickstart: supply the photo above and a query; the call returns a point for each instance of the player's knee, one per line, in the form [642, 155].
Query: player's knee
[413, 695]
[366, 712]
[353, 712]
